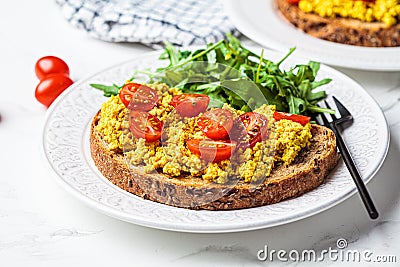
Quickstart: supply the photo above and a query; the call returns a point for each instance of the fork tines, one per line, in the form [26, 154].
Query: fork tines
[342, 109]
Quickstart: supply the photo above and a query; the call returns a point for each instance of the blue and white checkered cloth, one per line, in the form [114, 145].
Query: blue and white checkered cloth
[180, 22]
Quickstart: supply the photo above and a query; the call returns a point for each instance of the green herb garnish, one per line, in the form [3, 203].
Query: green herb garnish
[229, 73]
[108, 90]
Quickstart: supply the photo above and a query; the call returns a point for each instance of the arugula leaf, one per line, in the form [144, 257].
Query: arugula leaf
[229, 73]
[108, 90]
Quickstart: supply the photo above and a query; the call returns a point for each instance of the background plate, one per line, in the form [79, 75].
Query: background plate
[66, 149]
[261, 21]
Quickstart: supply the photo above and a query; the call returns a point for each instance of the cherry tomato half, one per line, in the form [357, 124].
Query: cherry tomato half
[190, 105]
[249, 129]
[216, 123]
[50, 65]
[145, 125]
[138, 97]
[50, 87]
[210, 150]
[303, 120]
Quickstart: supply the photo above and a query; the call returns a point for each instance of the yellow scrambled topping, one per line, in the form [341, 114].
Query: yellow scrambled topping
[386, 11]
[291, 138]
[172, 157]
[163, 107]
[113, 114]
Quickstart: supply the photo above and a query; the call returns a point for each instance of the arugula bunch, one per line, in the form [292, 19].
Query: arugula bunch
[229, 73]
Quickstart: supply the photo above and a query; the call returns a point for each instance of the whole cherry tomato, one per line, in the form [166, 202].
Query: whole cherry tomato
[216, 123]
[190, 105]
[144, 125]
[50, 87]
[50, 65]
[249, 129]
[138, 97]
[303, 120]
[210, 150]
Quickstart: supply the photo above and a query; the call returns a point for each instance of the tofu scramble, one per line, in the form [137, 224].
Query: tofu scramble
[171, 155]
[386, 11]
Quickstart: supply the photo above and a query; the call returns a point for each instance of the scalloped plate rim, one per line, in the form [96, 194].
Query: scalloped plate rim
[182, 227]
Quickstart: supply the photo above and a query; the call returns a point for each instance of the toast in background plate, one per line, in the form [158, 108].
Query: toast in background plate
[341, 30]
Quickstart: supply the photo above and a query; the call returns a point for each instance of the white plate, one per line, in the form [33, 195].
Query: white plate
[66, 149]
[261, 21]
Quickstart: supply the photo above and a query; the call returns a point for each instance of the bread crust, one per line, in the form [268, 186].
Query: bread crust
[307, 172]
[341, 30]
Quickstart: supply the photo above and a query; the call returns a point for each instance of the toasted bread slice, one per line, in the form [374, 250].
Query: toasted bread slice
[307, 172]
[341, 30]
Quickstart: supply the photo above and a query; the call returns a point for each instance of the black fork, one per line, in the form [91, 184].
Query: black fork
[336, 125]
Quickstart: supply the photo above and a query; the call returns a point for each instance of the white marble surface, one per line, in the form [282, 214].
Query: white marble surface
[42, 225]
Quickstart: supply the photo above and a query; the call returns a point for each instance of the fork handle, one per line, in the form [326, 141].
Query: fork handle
[362, 189]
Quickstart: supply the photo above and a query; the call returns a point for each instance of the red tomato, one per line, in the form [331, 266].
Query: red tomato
[249, 129]
[138, 97]
[50, 65]
[293, 2]
[190, 105]
[145, 125]
[216, 123]
[303, 120]
[51, 87]
[210, 150]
